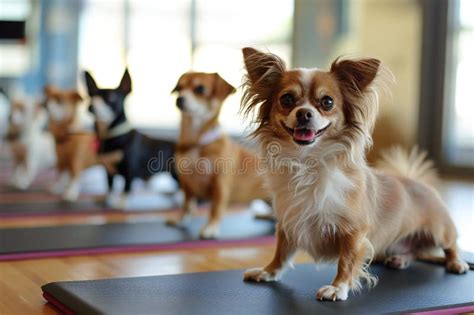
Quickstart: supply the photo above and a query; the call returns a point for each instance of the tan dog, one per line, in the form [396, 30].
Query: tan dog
[314, 128]
[209, 164]
[76, 146]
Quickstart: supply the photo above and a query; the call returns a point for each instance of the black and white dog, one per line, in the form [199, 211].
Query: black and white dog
[142, 156]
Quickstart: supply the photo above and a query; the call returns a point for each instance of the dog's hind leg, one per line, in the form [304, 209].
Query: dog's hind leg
[447, 239]
[444, 234]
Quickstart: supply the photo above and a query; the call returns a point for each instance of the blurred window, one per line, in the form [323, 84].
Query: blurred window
[160, 40]
[458, 144]
[14, 54]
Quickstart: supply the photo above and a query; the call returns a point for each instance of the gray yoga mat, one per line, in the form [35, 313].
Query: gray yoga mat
[420, 287]
[64, 240]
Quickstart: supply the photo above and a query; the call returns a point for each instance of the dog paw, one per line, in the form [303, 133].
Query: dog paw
[259, 274]
[332, 293]
[70, 197]
[457, 266]
[210, 231]
[117, 202]
[72, 193]
[20, 185]
[397, 261]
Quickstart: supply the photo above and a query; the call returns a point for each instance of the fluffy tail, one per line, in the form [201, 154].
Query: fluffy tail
[413, 164]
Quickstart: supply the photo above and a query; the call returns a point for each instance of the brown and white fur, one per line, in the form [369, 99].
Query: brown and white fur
[314, 127]
[31, 145]
[210, 165]
[75, 142]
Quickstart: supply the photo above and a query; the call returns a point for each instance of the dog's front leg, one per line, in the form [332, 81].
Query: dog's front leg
[188, 207]
[352, 255]
[71, 193]
[283, 254]
[219, 202]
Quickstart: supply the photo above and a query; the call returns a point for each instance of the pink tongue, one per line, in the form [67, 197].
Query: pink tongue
[304, 134]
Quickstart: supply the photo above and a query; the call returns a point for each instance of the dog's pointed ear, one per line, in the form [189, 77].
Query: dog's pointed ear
[92, 88]
[264, 72]
[126, 83]
[175, 89]
[222, 88]
[49, 90]
[355, 74]
[263, 67]
[76, 97]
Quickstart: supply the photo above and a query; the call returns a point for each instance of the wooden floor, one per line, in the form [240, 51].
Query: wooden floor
[20, 281]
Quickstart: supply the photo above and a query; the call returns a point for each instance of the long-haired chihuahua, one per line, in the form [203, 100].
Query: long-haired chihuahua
[314, 128]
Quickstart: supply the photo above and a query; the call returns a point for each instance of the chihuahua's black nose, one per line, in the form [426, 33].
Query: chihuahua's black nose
[180, 102]
[304, 115]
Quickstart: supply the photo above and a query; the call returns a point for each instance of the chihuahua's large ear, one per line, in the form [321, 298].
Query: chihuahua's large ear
[126, 83]
[176, 87]
[262, 67]
[360, 105]
[92, 88]
[355, 74]
[222, 88]
[264, 72]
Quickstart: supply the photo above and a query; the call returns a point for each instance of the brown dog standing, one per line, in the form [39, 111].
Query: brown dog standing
[75, 145]
[209, 164]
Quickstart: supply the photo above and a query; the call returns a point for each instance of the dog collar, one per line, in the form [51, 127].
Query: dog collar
[118, 130]
[206, 138]
[210, 136]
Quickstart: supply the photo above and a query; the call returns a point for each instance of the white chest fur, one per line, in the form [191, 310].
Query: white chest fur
[310, 202]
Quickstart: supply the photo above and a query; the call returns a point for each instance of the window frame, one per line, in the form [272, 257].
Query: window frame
[439, 28]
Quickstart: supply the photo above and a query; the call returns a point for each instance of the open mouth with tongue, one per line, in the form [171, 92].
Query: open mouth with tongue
[304, 135]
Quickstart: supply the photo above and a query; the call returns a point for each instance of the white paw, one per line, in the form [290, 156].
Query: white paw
[72, 192]
[457, 266]
[332, 293]
[60, 185]
[259, 274]
[121, 202]
[209, 231]
[71, 195]
[20, 184]
[398, 261]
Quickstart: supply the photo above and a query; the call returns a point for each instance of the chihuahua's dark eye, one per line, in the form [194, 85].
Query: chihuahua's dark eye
[327, 103]
[200, 89]
[287, 100]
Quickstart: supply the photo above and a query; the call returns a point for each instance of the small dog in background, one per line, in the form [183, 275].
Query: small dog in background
[4, 113]
[31, 145]
[210, 165]
[326, 198]
[75, 142]
[143, 156]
